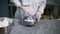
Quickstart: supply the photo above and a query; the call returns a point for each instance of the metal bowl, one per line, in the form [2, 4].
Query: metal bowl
[29, 21]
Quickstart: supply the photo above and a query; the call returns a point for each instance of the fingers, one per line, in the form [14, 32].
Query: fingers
[27, 13]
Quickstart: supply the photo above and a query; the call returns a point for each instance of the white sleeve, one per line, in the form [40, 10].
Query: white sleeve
[42, 7]
[16, 2]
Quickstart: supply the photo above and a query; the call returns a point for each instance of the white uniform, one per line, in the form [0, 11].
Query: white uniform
[30, 5]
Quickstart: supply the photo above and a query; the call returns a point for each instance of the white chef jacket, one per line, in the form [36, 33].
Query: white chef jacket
[31, 6]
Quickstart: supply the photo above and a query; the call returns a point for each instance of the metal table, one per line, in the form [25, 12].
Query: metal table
[42, 27]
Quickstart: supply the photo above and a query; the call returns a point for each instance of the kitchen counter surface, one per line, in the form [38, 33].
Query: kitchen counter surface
[42, 27]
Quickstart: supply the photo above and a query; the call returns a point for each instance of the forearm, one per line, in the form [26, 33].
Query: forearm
[17, 4]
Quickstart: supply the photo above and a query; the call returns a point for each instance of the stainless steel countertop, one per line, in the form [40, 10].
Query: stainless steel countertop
[43, 27]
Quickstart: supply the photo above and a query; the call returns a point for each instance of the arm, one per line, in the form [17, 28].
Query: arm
[18, 4]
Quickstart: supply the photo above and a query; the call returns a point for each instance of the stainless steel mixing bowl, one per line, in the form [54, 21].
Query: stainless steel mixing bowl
[29, 20]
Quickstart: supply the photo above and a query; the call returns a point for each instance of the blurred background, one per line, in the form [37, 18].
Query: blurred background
[52, 9]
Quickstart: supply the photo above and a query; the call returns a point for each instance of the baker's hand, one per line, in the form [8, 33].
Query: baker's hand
[38, 16]
[26, 11]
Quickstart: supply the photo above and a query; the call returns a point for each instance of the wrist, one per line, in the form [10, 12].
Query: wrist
[20, 6]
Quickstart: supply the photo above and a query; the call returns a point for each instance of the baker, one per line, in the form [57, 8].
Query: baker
[32, 7]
